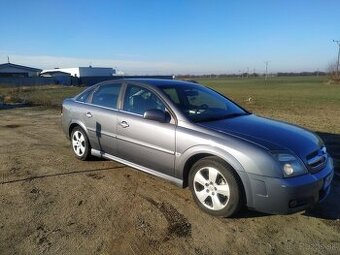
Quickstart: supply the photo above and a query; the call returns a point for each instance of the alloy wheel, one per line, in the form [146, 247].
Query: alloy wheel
[211, 188]
[78, 143]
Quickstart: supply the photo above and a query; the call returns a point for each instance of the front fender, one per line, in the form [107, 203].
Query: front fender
[183, 158]
[203, 149]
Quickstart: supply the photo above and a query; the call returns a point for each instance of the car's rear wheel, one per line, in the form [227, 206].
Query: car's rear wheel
[80, 144]
[215, 187]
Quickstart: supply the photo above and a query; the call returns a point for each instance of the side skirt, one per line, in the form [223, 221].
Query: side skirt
[172, 179]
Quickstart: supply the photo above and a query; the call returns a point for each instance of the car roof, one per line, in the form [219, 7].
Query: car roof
[161, 82]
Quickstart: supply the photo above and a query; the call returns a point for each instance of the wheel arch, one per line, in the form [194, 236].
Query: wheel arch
[192, 158]
[188, 165]
[74, 124]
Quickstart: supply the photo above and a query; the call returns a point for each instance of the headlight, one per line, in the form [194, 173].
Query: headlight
[290, 165]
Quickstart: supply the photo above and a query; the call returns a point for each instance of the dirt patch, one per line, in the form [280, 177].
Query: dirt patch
[12, 126]
[52, 203]
[178, 224]
[95, 176]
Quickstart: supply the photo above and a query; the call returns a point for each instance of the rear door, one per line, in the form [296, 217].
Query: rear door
[100, 117]
[141, 141]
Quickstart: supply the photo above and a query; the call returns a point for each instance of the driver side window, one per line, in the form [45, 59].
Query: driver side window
[138, 100]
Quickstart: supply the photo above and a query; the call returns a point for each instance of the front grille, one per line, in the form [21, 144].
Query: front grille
[317, 160]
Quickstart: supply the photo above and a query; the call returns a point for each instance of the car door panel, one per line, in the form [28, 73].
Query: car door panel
[141, 141]
[100, 117]
[146, 142]
[101, 128]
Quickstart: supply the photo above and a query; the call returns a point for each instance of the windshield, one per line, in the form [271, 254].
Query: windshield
[201, 104]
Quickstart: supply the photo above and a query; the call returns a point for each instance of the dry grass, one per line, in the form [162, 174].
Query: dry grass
[50, 95]
[306, 101]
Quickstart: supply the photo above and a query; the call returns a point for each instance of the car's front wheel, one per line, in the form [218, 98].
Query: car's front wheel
[215, 187]
[80, 144]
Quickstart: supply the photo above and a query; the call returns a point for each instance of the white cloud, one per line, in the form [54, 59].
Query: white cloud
[127, 66]
[185, 66]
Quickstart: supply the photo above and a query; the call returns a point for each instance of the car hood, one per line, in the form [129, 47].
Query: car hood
[271, 134]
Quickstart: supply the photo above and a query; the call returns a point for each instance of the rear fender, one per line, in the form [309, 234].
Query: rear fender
[77, 123]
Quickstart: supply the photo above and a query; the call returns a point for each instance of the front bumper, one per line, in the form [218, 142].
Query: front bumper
[289, 195]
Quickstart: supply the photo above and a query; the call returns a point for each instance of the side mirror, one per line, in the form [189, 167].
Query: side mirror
[157, 115]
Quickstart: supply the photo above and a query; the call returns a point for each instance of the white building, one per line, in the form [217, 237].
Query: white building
[83, 71]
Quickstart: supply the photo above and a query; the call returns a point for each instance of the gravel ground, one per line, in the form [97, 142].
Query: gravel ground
[51, 203]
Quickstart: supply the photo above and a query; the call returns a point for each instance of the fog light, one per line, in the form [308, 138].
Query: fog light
[288, 168]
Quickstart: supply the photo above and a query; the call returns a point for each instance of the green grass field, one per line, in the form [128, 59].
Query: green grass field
[50, 95]
[307, 101]
[310, 102]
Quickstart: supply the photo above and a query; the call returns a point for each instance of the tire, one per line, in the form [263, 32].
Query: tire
[80, 144]
[215, 187]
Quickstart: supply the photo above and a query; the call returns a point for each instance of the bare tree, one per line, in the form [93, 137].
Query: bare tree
[332, 70]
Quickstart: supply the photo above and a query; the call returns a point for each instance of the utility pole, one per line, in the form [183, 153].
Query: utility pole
[266, 63]
[337, 64]
[8, 59]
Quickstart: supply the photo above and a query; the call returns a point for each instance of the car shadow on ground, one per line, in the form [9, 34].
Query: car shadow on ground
[332, 142]
[87, 171]
[247, 213]
[12, 106]
[330, 208]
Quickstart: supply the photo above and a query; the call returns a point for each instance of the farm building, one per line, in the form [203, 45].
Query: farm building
[81, 72]
[9, 70]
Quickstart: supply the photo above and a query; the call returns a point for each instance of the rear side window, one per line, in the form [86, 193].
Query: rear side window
[84, 96]
[107, 95]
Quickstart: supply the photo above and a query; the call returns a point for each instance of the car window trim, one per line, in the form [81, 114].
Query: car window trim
[131, 113]
[98, 106]
[168, 108]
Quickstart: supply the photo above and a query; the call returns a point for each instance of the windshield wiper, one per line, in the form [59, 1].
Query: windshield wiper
[233, 115]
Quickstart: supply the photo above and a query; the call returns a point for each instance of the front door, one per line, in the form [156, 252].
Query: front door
[145, 142]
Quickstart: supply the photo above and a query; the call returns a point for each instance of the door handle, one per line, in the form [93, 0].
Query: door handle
[124, 124]
[88, 114]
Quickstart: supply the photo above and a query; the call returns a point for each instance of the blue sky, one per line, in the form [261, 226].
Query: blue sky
[177, 36]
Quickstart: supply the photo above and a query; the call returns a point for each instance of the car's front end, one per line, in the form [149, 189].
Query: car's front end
[288, 172]
[300, 187]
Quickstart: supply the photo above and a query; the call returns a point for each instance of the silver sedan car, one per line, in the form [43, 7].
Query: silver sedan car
[193, 136]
